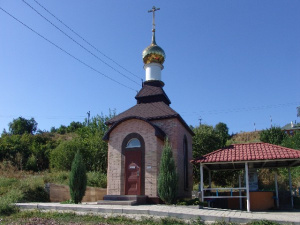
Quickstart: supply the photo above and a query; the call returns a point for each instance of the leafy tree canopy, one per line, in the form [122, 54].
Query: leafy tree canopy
[208, 139]
[22, 126]
[274, 135]
[222, 130]
[292, 141]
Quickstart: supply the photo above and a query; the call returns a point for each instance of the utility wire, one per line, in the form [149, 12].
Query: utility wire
[236, 110]
[92, 68]
[79, 43]
[85, 40]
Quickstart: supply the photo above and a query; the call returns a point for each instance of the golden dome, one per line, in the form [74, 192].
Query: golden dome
[154, 53]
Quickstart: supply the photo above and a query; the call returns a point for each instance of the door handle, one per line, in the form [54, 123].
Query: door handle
[138, 173]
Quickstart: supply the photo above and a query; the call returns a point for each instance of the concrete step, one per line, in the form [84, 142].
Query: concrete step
[123, 200]
[109, 202]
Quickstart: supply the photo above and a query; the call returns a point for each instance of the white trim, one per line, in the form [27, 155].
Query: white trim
[236, 196]
[201, 182]
[247, 187]
[252, 161]
[212, 189]
[240, 192]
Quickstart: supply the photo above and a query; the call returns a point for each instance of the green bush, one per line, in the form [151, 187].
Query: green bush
[78, 179]
[58, 177]
[37, 194]
[96, 179]
[62, 156]
[263, 222]
[33, 190]
[32, 163]
[167, 178]
[274, 135]
[7, 201]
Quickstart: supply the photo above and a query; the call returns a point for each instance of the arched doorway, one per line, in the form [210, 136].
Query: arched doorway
[133, 148]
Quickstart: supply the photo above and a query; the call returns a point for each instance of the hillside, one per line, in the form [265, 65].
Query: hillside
[245, 137]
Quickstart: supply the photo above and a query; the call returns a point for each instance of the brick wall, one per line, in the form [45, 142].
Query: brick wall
[176, 132]
[60, 193]
[116, 173]
[153, 148]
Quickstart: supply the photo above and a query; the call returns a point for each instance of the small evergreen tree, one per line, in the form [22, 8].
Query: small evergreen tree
[167, 178]
[78, 179]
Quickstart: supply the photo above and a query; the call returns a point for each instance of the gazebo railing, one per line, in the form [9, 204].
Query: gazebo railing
[223, 196]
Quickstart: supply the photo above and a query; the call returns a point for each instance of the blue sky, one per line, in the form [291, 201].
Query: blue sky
[234, 61]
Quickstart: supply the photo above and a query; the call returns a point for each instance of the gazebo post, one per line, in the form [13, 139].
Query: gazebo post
[209, 178]
[240, 191]
[276, 190]
[201, 182]
[291, 187]
[247, 186]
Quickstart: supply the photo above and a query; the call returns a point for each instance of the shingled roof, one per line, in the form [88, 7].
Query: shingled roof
[152, 91]
[260, 154]
[149, 111]
[152, 104]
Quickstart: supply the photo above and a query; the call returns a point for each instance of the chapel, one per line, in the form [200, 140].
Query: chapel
[136, 136]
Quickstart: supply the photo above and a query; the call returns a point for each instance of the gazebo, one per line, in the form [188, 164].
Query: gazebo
[243, 157]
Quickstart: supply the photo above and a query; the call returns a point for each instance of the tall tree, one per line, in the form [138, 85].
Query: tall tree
[206, 140]
[22, 126]
[167, 178]
[292, 141]
[78, 179]
[274, 135]
[222, 131]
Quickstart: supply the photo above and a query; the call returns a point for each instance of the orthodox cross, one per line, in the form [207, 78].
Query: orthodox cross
[153, 21]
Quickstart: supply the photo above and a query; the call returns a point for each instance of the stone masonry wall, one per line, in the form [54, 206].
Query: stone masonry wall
[153, 149]
[116, 173]
[176, 132]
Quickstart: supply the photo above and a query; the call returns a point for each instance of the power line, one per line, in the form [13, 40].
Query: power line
[235, 110]
[85, 40]
[92, 68]
[79, 43]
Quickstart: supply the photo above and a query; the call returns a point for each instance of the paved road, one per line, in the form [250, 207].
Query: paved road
[182, 212]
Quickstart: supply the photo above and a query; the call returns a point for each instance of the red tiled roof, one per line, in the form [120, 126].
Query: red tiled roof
[249, 152]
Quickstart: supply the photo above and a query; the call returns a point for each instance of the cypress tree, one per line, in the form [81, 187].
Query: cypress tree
[78, 179]
[167, 178]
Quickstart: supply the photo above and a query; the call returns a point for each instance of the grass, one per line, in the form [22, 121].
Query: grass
[37, 217]
[23, 186]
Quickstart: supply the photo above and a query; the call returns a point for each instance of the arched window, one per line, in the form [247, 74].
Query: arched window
[133, 143]
[185, 164]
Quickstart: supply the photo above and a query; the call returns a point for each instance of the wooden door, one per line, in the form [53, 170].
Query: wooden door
[133, 161]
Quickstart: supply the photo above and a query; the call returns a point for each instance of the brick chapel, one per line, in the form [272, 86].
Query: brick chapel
[136, 137]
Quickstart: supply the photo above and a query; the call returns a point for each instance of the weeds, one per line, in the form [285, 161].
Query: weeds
[6, 202]
[263, 222]
[37, 217]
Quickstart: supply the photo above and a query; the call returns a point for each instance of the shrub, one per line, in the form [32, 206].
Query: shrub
[62, 156]
[31, 163]
[274, 135]
[6, 202]
[78, 179]
[96, 179]
[167, 178]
